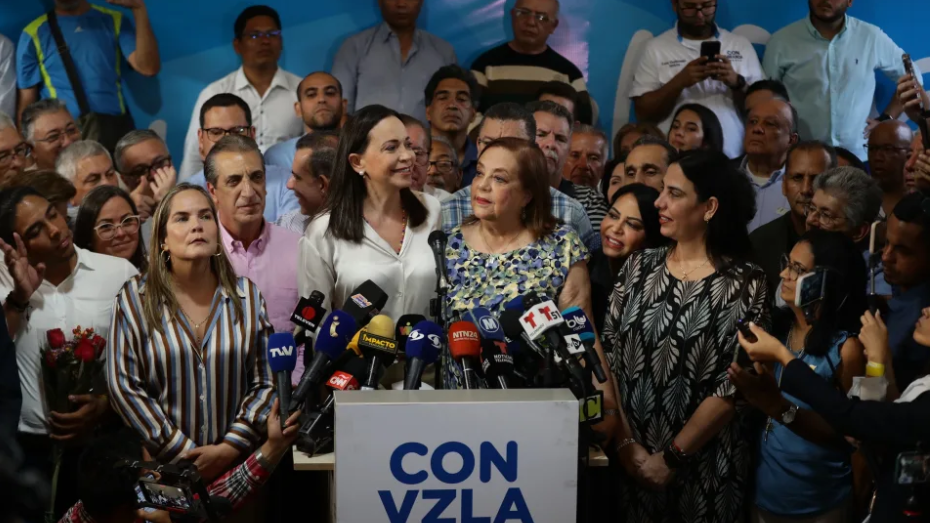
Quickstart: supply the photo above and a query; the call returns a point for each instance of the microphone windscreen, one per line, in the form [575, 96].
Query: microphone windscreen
[405, 325]
[335, 333]
[464, 340]
[437, 240]
[381, 325]
[510, 322]
[487, 324]
[282, 352]
[515, 304]
[365, 300]
[425, 341]
[353, 343]
[577, 320]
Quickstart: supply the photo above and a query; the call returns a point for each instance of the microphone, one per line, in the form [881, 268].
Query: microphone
[406, 324]
[437, 243]
[488, 326]
[331, 342]
[423, 348]
[379, 348]
[282, 357]
[496, 363]
[465, 347]
[541, 321]
[308, 315]
[365, 302]
[576, 321]
[347, 379]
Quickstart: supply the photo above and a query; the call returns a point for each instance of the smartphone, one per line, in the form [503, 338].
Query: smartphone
[909, 68]
[811, 288]
[165, 497]
[912, 468]
[741, 357]
[710, 50]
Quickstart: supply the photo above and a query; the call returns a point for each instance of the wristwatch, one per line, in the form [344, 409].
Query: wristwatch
[883, 117]
[787, 417]
[674, 457]
[740, 83]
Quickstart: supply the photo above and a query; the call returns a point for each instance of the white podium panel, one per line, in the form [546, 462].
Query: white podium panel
[482, 456]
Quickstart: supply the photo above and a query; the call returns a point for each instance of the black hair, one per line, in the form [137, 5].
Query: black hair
[347, 193]
[553, 108]
[915, 208]
[845, 298]
[9, 201]
[322, 160]
[775, 86]
[87, 219]
[301, 83]
[815, 145]
[608, 172]
[564, 90]
[317, 139]
[713, 132]
[103, 485]
[229, 143]
[646, 199]
[455, 72]
[672, 154]
[713, 175]
[254, 11]
[225, 100]
[511, 112]
[845, 154]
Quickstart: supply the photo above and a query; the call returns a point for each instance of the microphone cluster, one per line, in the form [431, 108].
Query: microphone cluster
[531, 345]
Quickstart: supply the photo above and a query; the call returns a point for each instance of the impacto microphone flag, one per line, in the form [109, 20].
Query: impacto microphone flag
[282, 358]
[331, 342]
[465, 348]
[488, 326]
[365, 302]
[379, 348]
[423, 346]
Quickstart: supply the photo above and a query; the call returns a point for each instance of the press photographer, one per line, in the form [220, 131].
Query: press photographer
[110, 489]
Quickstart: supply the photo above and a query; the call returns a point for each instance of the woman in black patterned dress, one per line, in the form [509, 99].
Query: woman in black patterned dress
[672, 327]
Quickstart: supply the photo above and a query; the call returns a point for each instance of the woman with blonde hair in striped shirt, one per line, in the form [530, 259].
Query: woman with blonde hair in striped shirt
[186, 352]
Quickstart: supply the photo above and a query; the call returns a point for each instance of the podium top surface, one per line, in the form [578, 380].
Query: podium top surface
[406, 397]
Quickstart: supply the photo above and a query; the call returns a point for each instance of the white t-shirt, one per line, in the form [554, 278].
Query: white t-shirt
[667, 54]
[85, 298]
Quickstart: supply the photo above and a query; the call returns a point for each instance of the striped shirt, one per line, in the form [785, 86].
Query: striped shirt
[294, 221]
[593, 202]
[178, 396]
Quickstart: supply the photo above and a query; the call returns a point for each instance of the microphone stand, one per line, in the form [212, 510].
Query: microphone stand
[435, 310]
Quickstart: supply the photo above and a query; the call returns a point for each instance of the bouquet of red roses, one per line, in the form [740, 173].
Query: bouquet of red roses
[71, 367]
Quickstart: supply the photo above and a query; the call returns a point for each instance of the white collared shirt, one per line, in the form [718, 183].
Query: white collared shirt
[272, 114]
[336, 267]
[85, 298]
[668, 54]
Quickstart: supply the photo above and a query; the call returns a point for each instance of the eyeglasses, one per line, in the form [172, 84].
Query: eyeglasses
[795, 270]
[144, 170]
[825, 215]
[215, 133]
[542, 18]
[55, 136]
[268, 35]
[888, 149]
[443, 166]
[706, 9]
[23, 150]
[129, 225]
[422, 156]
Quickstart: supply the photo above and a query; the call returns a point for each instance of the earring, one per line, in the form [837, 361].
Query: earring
[707, 219]
[362, 173]
[168, 258]
[219, 250]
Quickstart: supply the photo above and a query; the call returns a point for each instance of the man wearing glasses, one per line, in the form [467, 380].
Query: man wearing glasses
[889, 149]
[443, 173]
[515, 71]
[144, 165]
[48, 127]
[672, 72]
[15, 153]
[389, 63]
[828, 62]
[421, 142]
[451, 104]
[224, 115]
[268, 90]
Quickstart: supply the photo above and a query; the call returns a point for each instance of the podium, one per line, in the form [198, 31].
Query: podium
[478, 455]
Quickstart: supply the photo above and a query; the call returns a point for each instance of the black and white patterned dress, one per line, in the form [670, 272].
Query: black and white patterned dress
[672, 342]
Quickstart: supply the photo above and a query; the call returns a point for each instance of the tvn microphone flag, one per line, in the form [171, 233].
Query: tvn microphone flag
[282, 358]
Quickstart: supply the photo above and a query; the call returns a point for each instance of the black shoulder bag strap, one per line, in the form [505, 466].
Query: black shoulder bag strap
[68, 62]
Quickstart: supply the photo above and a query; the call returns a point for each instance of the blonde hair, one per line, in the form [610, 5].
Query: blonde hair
[158, 285]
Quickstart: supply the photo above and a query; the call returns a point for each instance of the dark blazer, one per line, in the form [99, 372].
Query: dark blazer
[602, 286]
[769, 243]
[10, 395]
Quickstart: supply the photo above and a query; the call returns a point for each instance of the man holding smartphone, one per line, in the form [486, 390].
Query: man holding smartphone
[696, 62]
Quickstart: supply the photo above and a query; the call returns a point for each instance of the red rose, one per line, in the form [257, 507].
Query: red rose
[51, 359]
[85, 351]
[56, 338]
[99, 344]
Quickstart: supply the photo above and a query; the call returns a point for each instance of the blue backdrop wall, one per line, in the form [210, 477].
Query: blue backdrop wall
[195, 40]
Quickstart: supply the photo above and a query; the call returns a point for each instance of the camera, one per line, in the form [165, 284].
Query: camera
[177, 489]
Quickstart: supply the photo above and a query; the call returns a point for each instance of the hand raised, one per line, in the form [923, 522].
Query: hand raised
[874, 337]
[162, 181]
[26, 277]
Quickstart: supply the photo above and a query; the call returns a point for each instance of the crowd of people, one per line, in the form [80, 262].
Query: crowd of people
[691, 238]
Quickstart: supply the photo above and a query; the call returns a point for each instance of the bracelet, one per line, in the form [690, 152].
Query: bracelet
[874, 370]
[611, 412]
[19, 307]
[263, 461]
[624, 444]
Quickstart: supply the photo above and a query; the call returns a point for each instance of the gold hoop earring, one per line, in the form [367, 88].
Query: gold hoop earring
[168, 258]
[219, 250]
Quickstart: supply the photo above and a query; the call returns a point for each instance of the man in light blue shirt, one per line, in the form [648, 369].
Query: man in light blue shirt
[321, 107]
[828, 62]
[391, 63]
[227, 114]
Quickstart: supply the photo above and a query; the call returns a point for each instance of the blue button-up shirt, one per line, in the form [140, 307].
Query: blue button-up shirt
[770, 200]
[279, 200]
[282, 154]
[371, 70]
[832, 82]
[455, 210]
[904, 309]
